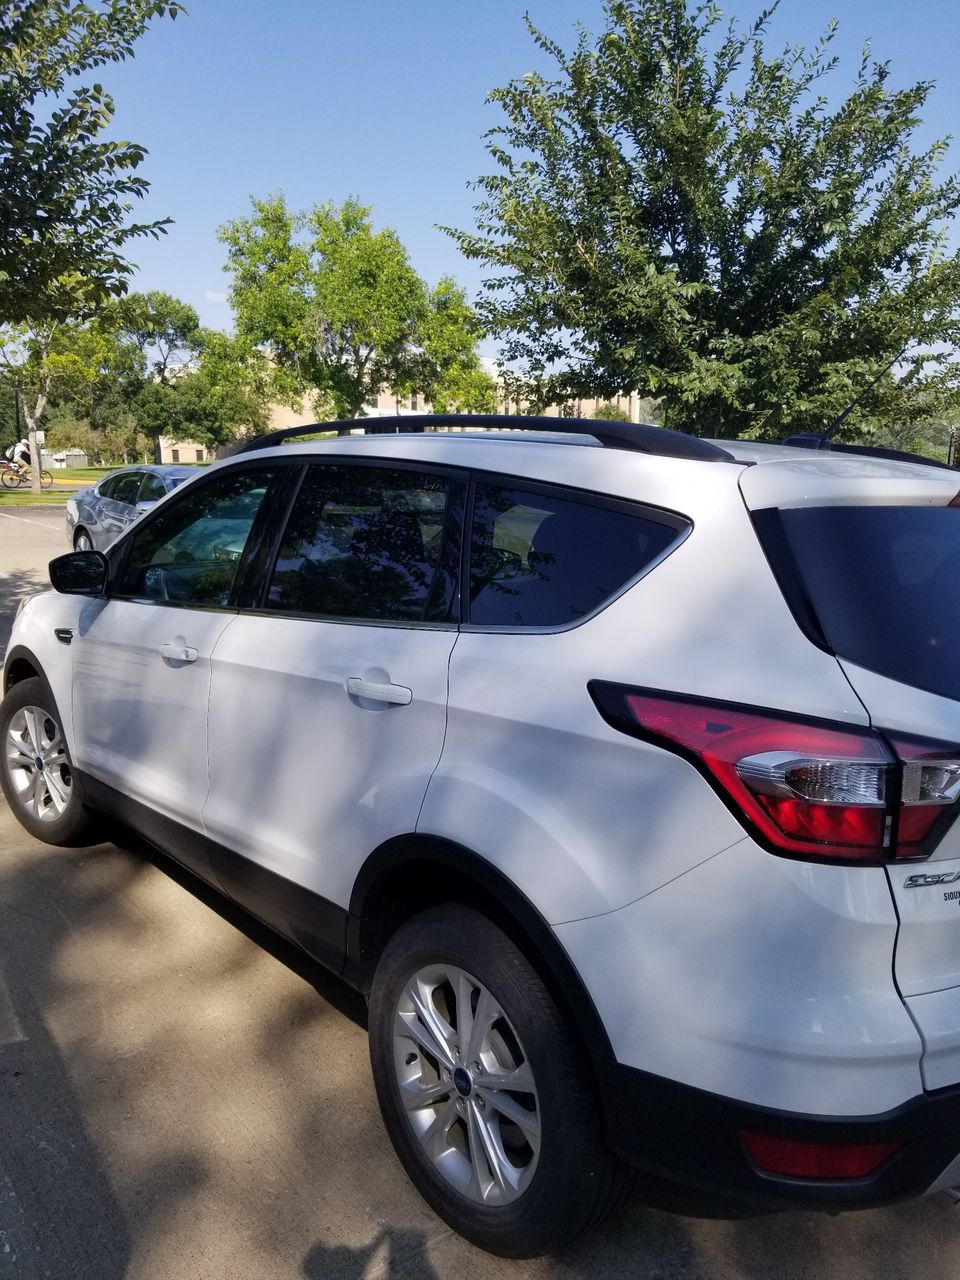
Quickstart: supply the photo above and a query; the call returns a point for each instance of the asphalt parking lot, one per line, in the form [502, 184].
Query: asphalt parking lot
[183, 1098]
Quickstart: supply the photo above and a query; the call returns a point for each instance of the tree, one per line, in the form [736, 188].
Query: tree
[39, 360]
[607, 411]
[66, 431]
[165, 333]
[338, 306]
[163, 329]
[450, 374]
[64, 192]
[681, 213]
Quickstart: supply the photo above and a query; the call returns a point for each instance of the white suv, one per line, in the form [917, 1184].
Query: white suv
[618, 768]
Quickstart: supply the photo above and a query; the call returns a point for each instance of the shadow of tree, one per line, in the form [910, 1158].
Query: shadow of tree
[387, 1255]
[16, 585]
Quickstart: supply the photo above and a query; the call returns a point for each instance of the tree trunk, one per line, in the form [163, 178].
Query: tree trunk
[31, 420]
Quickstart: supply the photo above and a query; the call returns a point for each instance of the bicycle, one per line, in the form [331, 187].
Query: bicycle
[12, 478]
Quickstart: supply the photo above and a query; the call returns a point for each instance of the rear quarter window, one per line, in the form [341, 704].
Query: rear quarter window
[546, 560]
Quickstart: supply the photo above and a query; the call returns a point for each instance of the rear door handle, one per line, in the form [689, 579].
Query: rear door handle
[176, 651]
[396, 694]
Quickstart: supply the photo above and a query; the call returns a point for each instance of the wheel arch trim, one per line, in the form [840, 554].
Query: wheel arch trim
[16, 656]
[543, 947]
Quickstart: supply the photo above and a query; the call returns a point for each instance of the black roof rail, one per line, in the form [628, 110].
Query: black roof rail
[864, 450]
[636, 436]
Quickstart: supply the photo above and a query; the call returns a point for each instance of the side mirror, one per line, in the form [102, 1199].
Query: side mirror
[80, 573]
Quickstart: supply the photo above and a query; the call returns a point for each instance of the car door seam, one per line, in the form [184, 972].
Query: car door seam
[443, 740]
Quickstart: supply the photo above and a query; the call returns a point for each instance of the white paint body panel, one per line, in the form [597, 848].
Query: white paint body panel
[35, 629]
[937, 1015]
[758, 978]
[305, 779]
[140, 720]
[927, 962]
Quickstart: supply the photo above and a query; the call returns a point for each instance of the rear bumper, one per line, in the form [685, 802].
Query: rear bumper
[692, 1136]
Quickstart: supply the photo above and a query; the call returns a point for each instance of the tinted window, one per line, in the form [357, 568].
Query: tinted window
[152, 489]
[885, 585]
[105, 487]
[365, 542]
[125, 487]
[189, 553]
[540, 561]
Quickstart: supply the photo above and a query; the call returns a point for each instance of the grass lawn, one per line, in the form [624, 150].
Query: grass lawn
[85, 475]
[27, 498]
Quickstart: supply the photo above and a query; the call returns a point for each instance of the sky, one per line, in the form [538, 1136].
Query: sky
[323, 99]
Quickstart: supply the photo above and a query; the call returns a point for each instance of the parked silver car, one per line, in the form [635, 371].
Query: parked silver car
[98, 515]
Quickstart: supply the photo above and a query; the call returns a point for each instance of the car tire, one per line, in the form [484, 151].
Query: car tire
[82, 541]
[45, 800]
[521, 1171]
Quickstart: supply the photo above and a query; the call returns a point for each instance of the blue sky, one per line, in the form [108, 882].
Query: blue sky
[322, 99]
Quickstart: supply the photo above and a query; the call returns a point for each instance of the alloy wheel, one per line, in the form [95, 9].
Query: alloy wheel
[466, 1085]
[37, 764]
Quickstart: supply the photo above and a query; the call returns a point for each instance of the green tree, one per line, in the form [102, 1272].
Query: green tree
[164, 334]
[163, 329]
[339, 307]
[679, 212]
[65, 192]
[40, 361]
[449, 372]
[610, 412]
[66, 431]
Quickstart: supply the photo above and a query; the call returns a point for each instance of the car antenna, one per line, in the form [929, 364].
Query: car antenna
[827, 434]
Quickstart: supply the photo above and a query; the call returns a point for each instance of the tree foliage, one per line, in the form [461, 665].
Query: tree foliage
[609, 411]
[163, 329]
[56, 358]
[339, 308]
[65, 192]
[678, 211]
[142, 369]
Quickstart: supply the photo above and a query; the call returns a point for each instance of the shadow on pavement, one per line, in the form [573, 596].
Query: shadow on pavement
[326, 984]
[388, 1255]
[174, 1106]
[58, 1213]
[13, 587]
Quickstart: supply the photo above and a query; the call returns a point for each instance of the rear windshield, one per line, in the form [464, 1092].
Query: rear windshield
[884, 583]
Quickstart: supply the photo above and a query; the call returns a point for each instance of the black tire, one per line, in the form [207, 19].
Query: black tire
[574, 1179]
[46, 479]
[10, 479]
[81, 536]
[74, 825]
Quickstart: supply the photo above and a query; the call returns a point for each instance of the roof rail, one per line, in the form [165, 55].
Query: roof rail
[864, 450]
[636, 436]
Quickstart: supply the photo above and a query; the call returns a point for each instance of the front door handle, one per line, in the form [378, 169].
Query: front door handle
[397, 695]
[177, 651]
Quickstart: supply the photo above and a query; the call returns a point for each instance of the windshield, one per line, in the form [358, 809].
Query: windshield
[884, 583]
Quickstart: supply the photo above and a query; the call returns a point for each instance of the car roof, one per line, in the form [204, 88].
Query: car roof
[168, 470]
[766, 474]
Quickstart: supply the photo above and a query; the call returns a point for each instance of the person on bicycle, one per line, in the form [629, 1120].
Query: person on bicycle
[21, 456]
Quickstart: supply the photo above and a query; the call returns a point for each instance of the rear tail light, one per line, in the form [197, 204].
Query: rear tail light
[791, 1159]
[930, 788]
[806, 788]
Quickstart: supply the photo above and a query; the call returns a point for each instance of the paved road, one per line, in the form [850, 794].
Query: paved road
[183, 1098]
[29, 539]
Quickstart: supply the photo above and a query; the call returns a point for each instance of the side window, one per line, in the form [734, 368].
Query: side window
[152, 489]
[365, 543]
[105, 487]
[125, 487]
[189, 553]
[538, 561]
